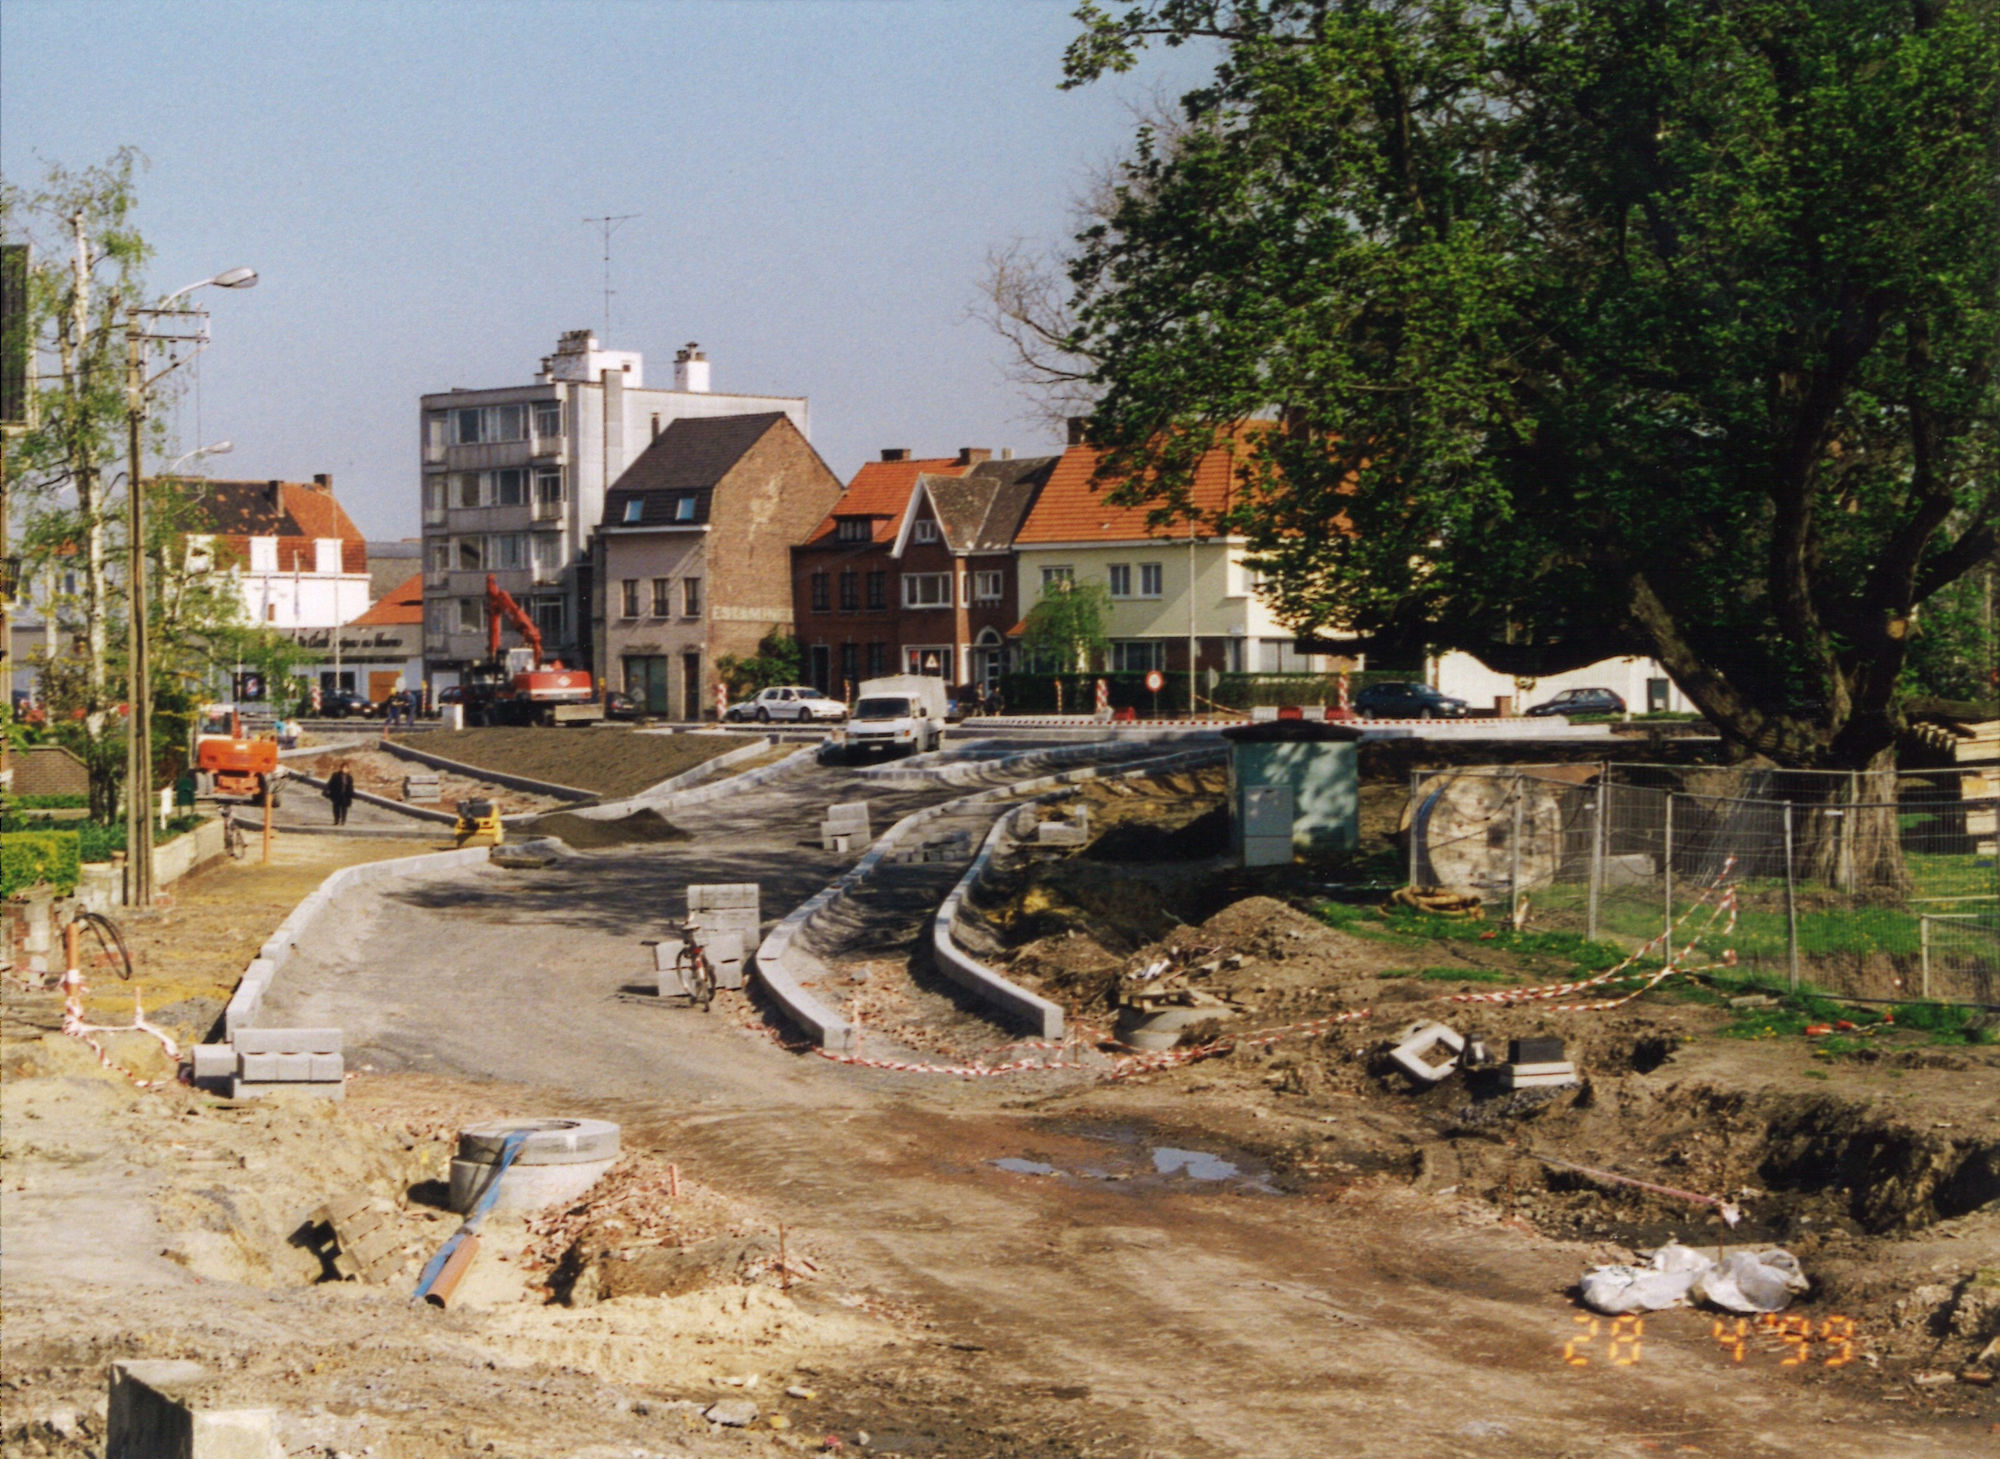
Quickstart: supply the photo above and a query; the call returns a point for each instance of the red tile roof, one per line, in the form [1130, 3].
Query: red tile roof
[881, 489]
[400, 605]
[1072, 507]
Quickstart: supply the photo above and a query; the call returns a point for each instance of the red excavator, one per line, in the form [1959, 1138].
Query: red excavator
[502, 690]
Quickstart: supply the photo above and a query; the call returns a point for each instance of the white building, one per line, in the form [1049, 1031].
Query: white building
[297, 558]
[514, 481]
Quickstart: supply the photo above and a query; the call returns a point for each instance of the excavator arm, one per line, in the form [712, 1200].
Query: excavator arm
[500, 604]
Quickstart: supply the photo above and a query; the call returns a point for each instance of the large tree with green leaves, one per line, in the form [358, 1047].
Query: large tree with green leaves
[1591, 328]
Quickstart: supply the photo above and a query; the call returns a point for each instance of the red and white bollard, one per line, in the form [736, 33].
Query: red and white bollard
[1345, 709]
[1103, 699]
[721, 700]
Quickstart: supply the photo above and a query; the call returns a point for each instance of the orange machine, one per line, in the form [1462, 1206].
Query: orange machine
[235, 763]
[542, 693]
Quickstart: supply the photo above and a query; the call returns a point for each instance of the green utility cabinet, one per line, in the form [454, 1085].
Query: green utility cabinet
[1298, 773]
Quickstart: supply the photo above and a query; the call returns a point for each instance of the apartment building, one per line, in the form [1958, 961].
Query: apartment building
[515, 480]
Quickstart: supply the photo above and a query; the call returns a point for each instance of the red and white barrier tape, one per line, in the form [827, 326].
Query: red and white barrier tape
[76, 1028]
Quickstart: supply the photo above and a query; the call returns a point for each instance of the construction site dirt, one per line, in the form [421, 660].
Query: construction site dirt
[1283, 1248]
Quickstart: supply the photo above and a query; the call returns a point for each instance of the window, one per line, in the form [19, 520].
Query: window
[549, 618]
[263, 554]
[471, 615]
[851, 529]
[926, 530]
[471, 553]
[821, 600]
[1150, 578]
[691, 597]
[1054, 575]
[467, 494]
[548, 492]
[878, 590]
[510, 488]
[988, 587]
[850, 591]
[437, 431]
[634, 510]
[1137, 655]
[926, 590]
[434, 493]
[507, 551]
[1121, 579]
[878, 660]
[548, 419]
[628, 598]
[437, 554]
[437, 618]
[684, 509]
[850, 665]
[934, 660]
[663, 597]
[467, 422]
[510, 423]
[546, 550]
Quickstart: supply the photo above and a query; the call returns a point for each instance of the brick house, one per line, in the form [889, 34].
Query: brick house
[912, 572]
[694, 553]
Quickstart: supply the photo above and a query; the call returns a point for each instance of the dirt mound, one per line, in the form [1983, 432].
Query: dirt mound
[607, 761]
[587, 833]
[1141, 842]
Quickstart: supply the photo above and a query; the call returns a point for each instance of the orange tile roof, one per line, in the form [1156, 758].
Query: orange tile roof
[402, 604]
[1072, 507]
[881, 489]
[318, 513]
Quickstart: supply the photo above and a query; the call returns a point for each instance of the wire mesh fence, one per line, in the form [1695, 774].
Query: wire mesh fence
[1893, 898]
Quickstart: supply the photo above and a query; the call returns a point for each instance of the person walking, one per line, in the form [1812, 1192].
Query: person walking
[340, 791]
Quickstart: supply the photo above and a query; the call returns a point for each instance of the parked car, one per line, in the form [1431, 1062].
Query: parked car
[620, 705]
[342, 703]
[1579, 701]
[797, 702]
[1406, 699]
[741, 710]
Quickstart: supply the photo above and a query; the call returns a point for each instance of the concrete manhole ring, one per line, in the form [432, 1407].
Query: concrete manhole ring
[549, 1142]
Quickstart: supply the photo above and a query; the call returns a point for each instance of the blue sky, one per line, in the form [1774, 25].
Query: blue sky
[818, 182]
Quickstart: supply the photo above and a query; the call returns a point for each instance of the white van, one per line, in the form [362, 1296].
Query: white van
[899, 715]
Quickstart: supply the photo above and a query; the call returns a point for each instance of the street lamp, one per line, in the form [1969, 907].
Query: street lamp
[220, 448]
[139, 723]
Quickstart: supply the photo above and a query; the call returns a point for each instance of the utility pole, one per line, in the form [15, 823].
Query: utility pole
[139, 715]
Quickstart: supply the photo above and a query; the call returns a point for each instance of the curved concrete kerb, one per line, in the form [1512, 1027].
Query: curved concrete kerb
[559, 1161]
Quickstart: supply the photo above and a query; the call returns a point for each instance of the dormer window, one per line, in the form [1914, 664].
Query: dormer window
[635, 509]
[684, 509]
[851, 529]
[926, 530]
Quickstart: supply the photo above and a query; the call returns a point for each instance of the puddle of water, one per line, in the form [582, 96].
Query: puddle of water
[1024, 1167]
[1195, 1164]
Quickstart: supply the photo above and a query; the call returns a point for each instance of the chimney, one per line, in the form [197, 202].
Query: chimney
[276, 491]
[691, 369]
[323, 482]
[1006, 453]
[895, 453]
[1078, 426]
[973, 455]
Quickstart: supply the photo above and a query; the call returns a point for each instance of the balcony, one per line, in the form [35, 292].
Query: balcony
[436, 516]
[550, 511]
[437, 577]
[547, 449]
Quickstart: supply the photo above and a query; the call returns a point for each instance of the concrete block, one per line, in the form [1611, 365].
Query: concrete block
[274, 1068]
[854, 812]
[242, 1010]
[208, 1062]
[837, 841]
[288, 1041]
[714, 896]
[1632, 870]
[1417, 1051]
[155, 1412]
[1024, 822]
[1060, 833]
[241, 1088]
[1545, 1050]
[1543, 1075]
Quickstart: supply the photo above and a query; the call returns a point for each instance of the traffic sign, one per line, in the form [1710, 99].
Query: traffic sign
[1155, 680]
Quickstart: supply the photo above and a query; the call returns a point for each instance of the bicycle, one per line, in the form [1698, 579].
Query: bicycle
[232, 834]
[691, 965]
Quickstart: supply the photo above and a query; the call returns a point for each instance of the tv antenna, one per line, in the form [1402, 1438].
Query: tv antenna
[609, 225]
